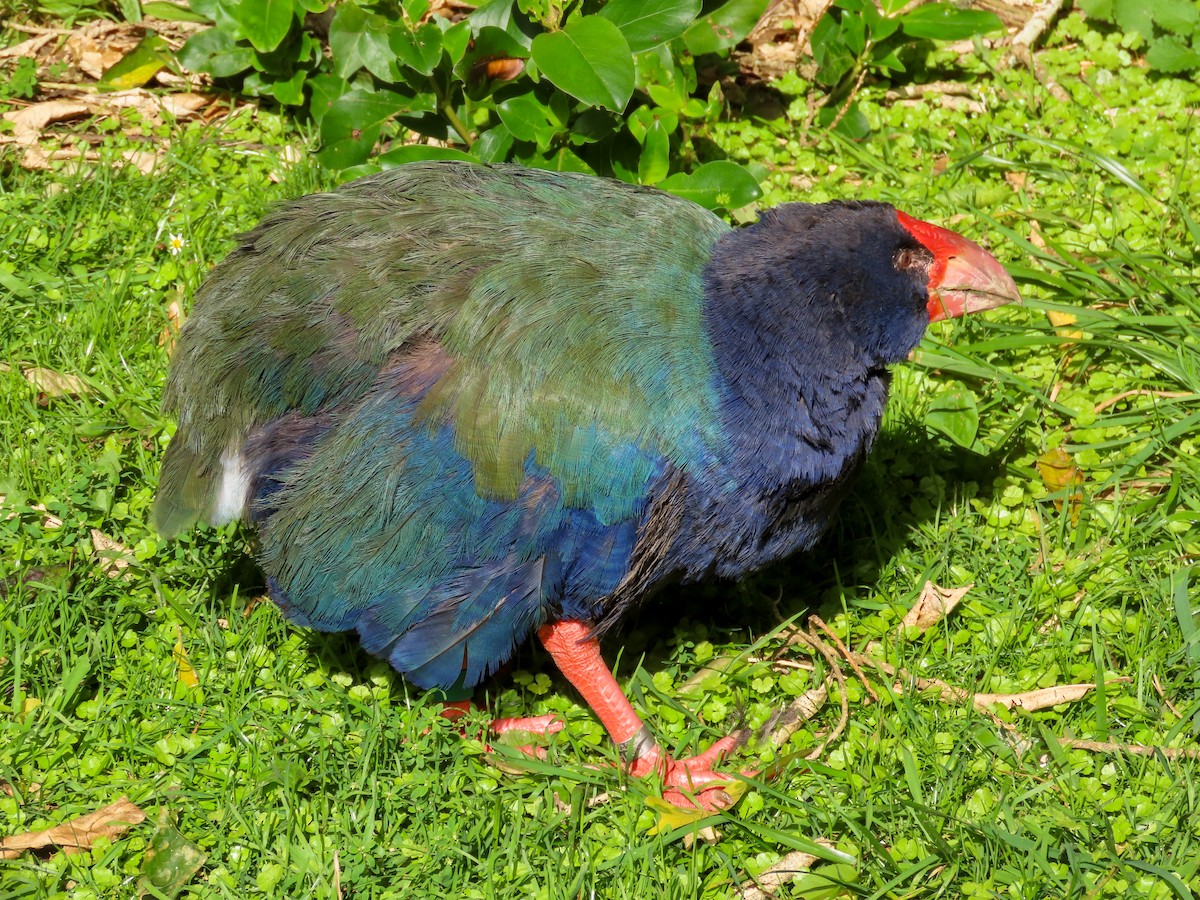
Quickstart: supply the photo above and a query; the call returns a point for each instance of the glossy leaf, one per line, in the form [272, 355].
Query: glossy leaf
[724, 26]
[172, 12]
[527, 119]
[205, 50]
[139, 65]
[325, 89]
[420, 50]
[494, 144]
[715, 185]
[829, 49]
[492, 58]
[288, 91]
[360, 41]
[590, 60]
[352, 124]
[455, 39]
[265, 22]
[655, 160]
[954, 414]
[648, 25]
[946, 22]
[419, 153]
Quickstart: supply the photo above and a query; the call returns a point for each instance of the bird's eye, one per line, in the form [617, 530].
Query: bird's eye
[910, 259]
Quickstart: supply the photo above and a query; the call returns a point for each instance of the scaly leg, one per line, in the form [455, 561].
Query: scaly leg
[687, 783]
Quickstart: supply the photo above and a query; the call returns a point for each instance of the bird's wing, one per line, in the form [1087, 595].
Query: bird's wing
[368, 520]
[569, 309]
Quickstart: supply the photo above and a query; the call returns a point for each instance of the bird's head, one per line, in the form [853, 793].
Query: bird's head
[857, 270]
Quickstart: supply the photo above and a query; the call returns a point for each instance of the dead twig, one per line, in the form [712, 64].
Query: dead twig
[1021, 46]
[1158, 689]
[1133, 749]
[813, 642]
[1143, 392]
[841, 113]
[846, 655]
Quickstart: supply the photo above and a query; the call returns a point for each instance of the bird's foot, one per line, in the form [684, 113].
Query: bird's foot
[691, 783]
[544, 725]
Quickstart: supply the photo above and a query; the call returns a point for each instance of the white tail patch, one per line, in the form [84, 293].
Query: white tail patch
[235, 487]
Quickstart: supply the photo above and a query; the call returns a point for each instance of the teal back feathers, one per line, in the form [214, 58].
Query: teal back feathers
[497, 264]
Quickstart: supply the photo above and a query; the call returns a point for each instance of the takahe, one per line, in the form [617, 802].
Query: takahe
[463, 404]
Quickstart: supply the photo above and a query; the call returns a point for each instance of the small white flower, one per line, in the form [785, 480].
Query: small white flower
[175, 243]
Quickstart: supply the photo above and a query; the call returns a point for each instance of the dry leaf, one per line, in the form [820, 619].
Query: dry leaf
[791, 866]
[934, 604]
[51, 384]
[1059, 473]
[30, 122]
[1035, 700]
[99, 45]
[49, 520]
[1061, 321]
[77, 834]
[1035, 236]
[114, 557]
[186, 673]
[187, 105]
[145, 161]
[1015, 179]
[175, 317]
[27, 48]
[708, 834]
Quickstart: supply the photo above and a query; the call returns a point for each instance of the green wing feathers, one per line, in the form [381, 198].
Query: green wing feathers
[548, 291]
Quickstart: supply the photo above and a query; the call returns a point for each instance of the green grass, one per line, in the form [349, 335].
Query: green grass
[298, 757]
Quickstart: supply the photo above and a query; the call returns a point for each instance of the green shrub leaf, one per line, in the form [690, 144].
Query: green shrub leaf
[172, 12]
[715, 185]
[214, 51]
[419, 153]
[946, 22]
[1170, 54]
[350, 128]
[360, 41]
[420, 50]
[647, 24]
[655, 160]
[137, 66]
[325, 90]
[265, 22]
[724, 26]
[493, 58]
[527, 119]
[590, 60]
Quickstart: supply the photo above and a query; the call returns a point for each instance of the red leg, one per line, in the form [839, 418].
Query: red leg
[687, 782]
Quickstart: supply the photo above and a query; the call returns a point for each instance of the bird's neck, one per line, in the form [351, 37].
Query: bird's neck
[800, 407]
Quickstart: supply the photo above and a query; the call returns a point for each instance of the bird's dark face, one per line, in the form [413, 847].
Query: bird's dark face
[875, 274]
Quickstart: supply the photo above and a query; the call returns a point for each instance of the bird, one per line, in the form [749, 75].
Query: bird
[463, 405]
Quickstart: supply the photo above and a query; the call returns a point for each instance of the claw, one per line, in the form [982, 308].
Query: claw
[690, 783]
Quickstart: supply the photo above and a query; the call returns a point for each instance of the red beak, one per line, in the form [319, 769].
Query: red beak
[964, 278]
